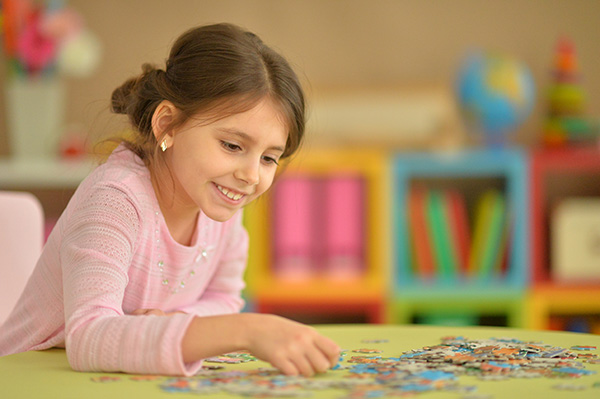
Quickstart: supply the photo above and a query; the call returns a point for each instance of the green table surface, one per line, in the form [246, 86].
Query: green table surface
[46, 374]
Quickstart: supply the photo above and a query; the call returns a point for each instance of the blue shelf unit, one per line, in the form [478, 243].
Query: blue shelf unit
[507, 165]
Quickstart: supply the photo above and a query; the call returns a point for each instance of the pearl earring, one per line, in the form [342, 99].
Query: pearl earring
[163, 145]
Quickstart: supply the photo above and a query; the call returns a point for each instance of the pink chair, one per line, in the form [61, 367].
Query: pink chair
[21, 241]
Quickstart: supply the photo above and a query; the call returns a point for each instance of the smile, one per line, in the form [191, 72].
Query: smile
[230, 194]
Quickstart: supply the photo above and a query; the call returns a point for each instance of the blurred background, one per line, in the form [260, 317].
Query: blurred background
[391, 78]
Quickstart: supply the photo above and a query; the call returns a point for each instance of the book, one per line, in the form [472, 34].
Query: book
[422, 250]
[294, 227]
[344, 225]
[442, 244]
[488, 236]
[460, 234]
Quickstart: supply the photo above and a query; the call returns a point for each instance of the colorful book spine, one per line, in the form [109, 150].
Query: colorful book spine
[444, 254]
[460, 235]
[343, 225]
[488, 236]
[293, 227]
[421, 244]
[481, 223]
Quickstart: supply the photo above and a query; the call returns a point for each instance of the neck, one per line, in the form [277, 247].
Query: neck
[181, 219]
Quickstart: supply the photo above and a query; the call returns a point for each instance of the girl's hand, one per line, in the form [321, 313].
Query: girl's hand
[291, 347]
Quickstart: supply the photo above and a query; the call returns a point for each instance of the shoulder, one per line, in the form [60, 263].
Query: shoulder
[123, 171]
[122, 183]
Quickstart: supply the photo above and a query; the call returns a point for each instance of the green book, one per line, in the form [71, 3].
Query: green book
[440, 232]
[488, 232]
[495, 239]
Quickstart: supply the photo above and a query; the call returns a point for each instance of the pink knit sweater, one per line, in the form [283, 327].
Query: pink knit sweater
[111, 253]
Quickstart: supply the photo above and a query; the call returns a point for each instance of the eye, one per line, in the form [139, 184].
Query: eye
[270, 160]
[230, 146]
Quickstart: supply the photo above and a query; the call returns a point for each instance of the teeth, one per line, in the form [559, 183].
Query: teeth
[230, 194]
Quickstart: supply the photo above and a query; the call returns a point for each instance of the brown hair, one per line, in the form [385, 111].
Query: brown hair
[216, 71]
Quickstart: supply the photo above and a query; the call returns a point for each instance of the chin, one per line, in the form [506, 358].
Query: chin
[219, 217]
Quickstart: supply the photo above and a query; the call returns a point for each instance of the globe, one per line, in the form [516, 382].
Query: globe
[496, 93]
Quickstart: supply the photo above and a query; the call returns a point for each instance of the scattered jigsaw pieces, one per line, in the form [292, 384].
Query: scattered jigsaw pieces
[366, 351]
[370, 374]
[232, 358]
[583, 348]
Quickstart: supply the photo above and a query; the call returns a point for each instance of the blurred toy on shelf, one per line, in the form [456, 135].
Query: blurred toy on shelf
[566, 122]
[496, 93]
[73, 143]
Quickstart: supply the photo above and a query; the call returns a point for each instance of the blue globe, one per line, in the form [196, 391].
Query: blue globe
[496, 94]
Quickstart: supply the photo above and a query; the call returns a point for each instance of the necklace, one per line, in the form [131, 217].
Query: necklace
[201, 257]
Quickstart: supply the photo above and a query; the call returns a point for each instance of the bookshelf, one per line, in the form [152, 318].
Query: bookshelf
[318, 296]
[558, 175]
[470, 294]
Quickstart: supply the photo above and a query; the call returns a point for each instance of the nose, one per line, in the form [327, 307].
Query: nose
[248, 171]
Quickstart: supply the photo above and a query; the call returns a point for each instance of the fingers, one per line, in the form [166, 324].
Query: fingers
[330, 349]
[291, 347]
[286, 366]
[304, 367]
[318, 361]
[314, 354]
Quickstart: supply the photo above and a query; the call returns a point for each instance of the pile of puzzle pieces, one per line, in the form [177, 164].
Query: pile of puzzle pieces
[368, 374]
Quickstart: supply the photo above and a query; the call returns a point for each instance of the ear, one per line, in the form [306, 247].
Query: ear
[162, 118]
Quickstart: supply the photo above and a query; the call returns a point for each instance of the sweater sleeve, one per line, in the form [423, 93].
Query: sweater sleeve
[223, 293]
[96, 252]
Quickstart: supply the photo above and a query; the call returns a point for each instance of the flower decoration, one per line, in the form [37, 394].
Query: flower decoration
[46, 39]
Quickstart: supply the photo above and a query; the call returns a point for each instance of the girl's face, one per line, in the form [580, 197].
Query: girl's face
[224, 165]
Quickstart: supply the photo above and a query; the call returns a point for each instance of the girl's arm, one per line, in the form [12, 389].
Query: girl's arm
[291, 347]
[97, 246]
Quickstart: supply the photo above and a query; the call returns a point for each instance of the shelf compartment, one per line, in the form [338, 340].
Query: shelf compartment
[503, 169]
[265, 285]
[555, 175]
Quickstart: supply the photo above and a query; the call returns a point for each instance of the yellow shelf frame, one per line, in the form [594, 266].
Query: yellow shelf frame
[546, 300]
[373, 286]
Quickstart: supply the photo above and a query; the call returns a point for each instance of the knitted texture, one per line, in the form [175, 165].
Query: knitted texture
[110, 254]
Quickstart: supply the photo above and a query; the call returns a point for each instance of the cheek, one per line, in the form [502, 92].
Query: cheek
[265, 183]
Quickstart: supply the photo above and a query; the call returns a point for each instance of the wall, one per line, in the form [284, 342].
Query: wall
[342, 43]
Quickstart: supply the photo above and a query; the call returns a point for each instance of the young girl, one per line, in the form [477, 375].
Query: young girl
[143, 271]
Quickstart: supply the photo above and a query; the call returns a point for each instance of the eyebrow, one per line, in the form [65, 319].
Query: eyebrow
[247, 137]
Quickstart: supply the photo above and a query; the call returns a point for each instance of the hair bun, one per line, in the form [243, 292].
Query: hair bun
[123, 98]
